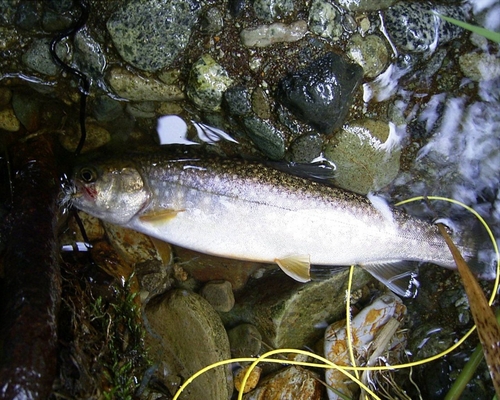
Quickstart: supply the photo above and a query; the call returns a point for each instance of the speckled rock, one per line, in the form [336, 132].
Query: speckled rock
[9, 121]
[413, 27]
[27, 109]
[370, 52]
[480, 66]
[245, 340]
[289, 383]
[306, 148]
[135, 87]
[266, 137]
[321, 94]
[151, 34]
[322, 20]
[185, 334]
[89, 56]
[207, 83]
[97, 136]
[237, 101]
[212, 20]
[39, 59]
[219, 294]
[360, 152]
[260, 103]
[365, 5]
[270, 10]
[266, 35]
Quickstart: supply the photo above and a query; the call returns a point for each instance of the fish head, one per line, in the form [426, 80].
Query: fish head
[112, 193]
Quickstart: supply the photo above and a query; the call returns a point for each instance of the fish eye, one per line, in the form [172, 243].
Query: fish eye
[88, 175]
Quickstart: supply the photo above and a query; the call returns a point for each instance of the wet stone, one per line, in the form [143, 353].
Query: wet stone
[236, 7]
[266, 35]
[53, 21]
[306, 148]
[212, 21]
[219, 294]
[151, 34]
[363, 156]
[266, 137]
[207, 83]
[97, 136]
[27, 109]
[185, 334]
[370, 52]
[88, 55]
[413, 26]
[365, 5]
[28, 15]
[106, 109]
[480, 66]
[245, 340]
[8, 120]
[271, 10]
[237, 101]
[321, 94]
[39, 59]
[260, 103]
[322, 20]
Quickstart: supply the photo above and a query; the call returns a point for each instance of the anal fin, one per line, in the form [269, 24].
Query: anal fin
[399, 276]
[296, 266]
[160, 215]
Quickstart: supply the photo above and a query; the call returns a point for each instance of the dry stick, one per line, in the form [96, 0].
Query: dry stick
[484, 318]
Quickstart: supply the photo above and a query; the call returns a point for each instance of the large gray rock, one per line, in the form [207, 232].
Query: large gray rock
[151, 34]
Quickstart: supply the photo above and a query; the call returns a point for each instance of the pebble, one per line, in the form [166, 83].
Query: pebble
[480, 66]
[266, 137]
[151, 34]
[266, 35]
[207, 83]
[413, 27]
[370, 52]
[106, 109]
[38, 57]
[260, 103]
[362, 160]
[27, 109]
[321, 94]
[322, 20]
[306, 148]
[137, 88]
[219, 294]
[365, 5]
[97, 136]
[289, 383]
[9, 121]
[271, 10]
[88, 55]
[185, 334]
[245, 341]
[252, 381]
[237, 101]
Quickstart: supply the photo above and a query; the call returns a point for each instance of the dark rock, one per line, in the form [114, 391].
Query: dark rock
[28, 15]
[237, 101]
[219, 294]
[306, 148]
[266, 137]
[236, 7]
[321, 94]
[245, 341]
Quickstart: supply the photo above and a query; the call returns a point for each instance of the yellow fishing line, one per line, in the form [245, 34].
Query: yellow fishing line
[344, 369]
[348, 320]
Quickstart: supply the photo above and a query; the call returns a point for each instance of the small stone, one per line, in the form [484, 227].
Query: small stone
[370, 52]
[207, 83]
[97, 136]
[212, 21]
[245, 340]
[88, 54]
[260, 103]
[137, 88]
[9, 121]
[5, 96]
[252, 381]
[237, 100]
[219, 294]
[480, 66]
[266, 137]
[270, 10]
[107, 109]
[151, 34]
[39, 59]
[365, 5]
[289, 383]
[364, 156]
[185, 334]
[321, 94]
[266, 35]
[27, 109]
[322, 20]
[306, 148]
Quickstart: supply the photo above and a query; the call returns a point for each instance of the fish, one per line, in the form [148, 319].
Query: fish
[248, 210]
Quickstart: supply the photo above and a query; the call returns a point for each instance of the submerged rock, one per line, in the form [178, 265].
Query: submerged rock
[266, 35]
[141, 28]
[370, 52]
[245, 340]
[322, 20]
[219, 294]
[321, 94]
[186, 335]
[266, 137]
[271, 10]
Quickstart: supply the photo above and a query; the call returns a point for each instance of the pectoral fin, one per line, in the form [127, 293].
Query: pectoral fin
[160, 215]
[399, 276]
[296, 267]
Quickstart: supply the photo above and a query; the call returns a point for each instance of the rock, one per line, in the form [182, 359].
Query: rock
[106, 109]
[97, 136]
[260, 103]
[365, 327]
[39, 59]
[27, 110]
[9, 121]
[88, 55]
[252, 381]
[321, 94]
[28, 15]
[266, 137]
[236, 7]
[413, 26]
[370, 52]
[365, 5]
[185, 334]
[364, 156]
[266, 35]
[322, 20]
[219, 294]
[306, 148]
[245, 340]
[151, 34]
[270, 10]
[289, 383]
[207, 83]
[290, 314]
[137, 88]
[212, 21]
[5, 96]
[480, 66]
[237, 101]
